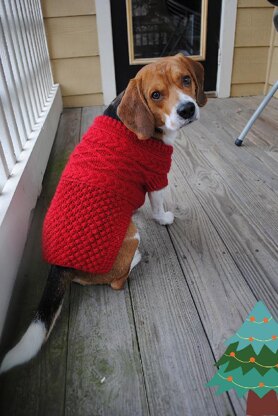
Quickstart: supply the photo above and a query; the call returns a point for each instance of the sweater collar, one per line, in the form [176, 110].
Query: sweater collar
[117, 128]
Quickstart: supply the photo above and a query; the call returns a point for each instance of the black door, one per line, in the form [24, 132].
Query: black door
[147, 29]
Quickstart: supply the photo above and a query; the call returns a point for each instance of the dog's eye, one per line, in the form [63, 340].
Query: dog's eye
[156, 95]
[186, 80]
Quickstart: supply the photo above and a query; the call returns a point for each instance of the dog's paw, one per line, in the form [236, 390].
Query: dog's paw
[166, 218]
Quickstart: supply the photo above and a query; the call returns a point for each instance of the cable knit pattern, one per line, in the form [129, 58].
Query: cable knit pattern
[105, 180]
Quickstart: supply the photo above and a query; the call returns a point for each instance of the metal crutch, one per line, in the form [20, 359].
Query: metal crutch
[254, 117]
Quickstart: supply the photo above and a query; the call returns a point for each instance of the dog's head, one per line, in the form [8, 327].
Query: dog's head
[164, 96]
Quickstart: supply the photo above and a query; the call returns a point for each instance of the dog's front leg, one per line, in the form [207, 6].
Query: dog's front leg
[159, 214]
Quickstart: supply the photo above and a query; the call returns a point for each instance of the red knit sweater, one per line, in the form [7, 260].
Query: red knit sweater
[105, 180]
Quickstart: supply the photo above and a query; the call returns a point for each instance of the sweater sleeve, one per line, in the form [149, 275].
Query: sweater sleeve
[157, 182]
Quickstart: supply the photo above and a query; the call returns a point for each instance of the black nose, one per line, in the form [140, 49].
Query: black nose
[186, 110]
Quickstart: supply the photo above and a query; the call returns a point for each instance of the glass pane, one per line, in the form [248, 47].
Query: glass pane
[165, 27]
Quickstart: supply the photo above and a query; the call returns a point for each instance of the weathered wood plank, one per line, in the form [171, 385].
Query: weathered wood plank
[156, 342]
[210, 271]
[206, 286]
[251, 194]
[102, 343]
[37, 388]
[254, 101]
[175, 353]
[88, 115]
[266, 125]
[219, 290]
[221, 126]
[251, 248]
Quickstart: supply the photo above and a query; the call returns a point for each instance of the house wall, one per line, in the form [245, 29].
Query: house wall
[272, 73]
[73, 46]
[252, 46]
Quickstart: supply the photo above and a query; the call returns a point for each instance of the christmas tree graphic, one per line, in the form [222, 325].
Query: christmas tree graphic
[250, 363]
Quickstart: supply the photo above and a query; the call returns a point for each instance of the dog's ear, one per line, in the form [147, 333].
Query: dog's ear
[197, 71]
[134, 112]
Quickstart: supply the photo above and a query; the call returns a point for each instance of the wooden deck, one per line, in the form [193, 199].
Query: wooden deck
[156, 342]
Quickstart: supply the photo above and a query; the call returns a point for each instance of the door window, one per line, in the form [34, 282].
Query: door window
[161, 28]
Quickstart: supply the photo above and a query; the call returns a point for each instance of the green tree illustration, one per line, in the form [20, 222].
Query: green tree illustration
[250, 363]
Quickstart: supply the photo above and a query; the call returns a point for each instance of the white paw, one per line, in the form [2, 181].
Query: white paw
[166, 218]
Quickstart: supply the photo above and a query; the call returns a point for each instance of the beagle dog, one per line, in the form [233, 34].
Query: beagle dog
[164, 97]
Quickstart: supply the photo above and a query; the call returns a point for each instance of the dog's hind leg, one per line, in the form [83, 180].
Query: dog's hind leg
[127, 258]
[118, 283]
[136, 259]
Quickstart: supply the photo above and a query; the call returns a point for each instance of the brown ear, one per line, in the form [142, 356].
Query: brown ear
[197, 71]
[134, 112]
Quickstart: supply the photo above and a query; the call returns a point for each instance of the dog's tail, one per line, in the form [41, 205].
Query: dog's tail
[39, 330]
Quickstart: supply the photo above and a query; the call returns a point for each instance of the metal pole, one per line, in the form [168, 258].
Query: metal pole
[254, 117]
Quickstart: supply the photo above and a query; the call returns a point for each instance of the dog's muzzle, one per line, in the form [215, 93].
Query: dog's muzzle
[186, 110]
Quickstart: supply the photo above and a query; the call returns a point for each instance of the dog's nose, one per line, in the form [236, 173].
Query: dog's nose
[186, 110]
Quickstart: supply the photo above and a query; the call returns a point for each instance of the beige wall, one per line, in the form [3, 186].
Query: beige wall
[252, 47]
[73, 46]
[272, 72]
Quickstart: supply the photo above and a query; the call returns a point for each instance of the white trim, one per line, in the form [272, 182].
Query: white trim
[226, 48]
[20, 193]
[105, 41]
